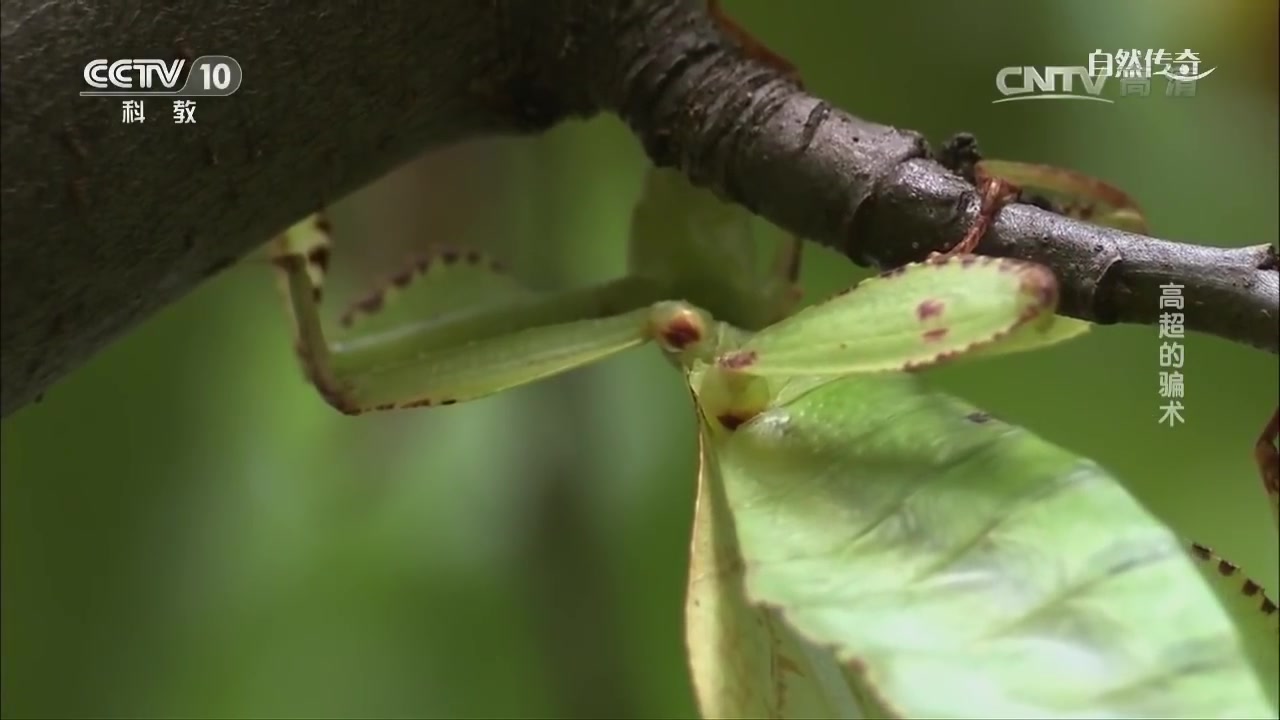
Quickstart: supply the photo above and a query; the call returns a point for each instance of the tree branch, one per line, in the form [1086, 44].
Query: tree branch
[875, 194]
[106, 223]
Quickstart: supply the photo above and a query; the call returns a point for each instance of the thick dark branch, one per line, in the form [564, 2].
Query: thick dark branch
[104, 223]
[875, 194]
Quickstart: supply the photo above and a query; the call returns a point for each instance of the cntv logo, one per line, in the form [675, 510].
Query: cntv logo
[1054, 82]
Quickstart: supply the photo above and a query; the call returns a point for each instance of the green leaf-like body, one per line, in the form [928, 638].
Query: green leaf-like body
[961, 567]
[746, 660]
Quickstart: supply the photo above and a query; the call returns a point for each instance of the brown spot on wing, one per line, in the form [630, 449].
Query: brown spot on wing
[934, 335]
[1040, 284]
[938, 359]
[371, 304]
[403, 278]
[929, 308]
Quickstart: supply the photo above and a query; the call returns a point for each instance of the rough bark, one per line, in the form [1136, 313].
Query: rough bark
[106, 223]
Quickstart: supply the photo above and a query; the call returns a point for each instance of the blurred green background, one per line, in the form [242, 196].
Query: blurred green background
[189, 531]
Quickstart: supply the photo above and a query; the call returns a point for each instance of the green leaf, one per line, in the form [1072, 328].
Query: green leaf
[961, 567]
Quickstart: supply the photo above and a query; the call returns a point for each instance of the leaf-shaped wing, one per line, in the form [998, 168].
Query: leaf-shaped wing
[1081, 196]
[912, 317]
[966, 568]
[746, 661]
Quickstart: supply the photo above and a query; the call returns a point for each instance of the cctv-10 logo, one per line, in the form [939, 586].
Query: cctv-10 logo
[135, 75]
